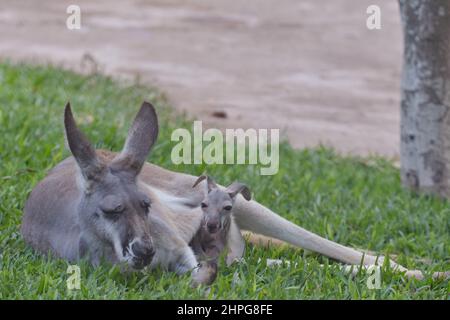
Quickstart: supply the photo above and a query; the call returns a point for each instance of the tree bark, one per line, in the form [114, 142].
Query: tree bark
[425, 117]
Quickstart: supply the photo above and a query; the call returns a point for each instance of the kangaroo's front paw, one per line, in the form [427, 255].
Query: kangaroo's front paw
[185, 262]
[232, 258]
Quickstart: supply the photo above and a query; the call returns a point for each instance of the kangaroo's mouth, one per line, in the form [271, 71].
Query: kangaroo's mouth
[138, 259]
[137, 263]
[140, 263]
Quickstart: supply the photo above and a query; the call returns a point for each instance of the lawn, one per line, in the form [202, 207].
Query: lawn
[358, 202]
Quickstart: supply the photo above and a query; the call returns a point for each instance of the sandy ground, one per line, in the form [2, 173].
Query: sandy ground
[310, 68]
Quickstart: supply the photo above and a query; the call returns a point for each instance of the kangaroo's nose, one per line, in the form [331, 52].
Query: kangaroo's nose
[143, 251]
[213, 227]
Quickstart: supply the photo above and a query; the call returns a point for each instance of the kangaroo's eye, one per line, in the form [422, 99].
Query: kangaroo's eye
[204, 205]
[111, 204]
[113, 213]
[113, 210]
[228, 208]
[146, 203]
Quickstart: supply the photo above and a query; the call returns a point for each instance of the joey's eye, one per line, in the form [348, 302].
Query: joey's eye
[204, 205]
[228, 208]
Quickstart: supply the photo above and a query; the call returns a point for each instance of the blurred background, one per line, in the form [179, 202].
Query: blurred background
[310, 68]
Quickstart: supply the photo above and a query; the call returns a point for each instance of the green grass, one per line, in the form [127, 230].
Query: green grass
[354, 201]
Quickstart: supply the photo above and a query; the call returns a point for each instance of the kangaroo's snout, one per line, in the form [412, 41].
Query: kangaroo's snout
[142, 252]
[141, 249]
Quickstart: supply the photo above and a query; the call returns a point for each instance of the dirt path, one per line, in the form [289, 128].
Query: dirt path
[310, 68]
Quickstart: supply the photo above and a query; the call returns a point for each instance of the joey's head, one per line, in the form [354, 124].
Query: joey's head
[112, 209]
[218, 202]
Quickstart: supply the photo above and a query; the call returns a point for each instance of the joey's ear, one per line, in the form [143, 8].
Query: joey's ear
[237, 187]
[81, 148]
[141, 137]
[211, 183]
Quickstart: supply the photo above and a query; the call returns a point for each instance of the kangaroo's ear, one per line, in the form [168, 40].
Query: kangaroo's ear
[141, 137]
[81, 148]
[237, 187]
[211, 184]
[199, 179]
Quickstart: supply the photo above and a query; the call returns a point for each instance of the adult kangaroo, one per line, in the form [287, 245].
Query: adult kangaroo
[104, 205]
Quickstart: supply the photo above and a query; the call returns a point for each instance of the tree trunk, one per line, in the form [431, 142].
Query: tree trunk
[425, 117]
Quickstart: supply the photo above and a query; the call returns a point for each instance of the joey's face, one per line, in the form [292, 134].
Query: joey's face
[216, 207]
[116, 212]
[218, 202]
